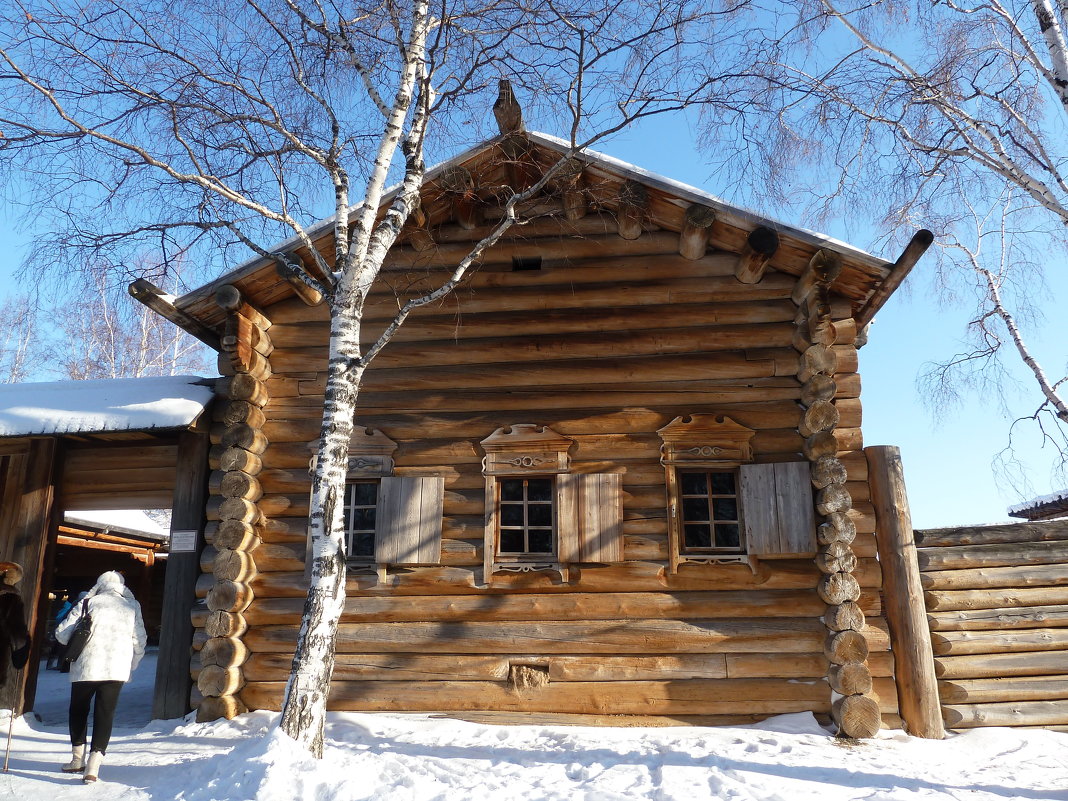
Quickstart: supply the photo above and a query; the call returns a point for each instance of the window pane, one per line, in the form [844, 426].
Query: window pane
[694, 484]
[694, 509]
[727, 535]
[365, 493]
[722, 483]
[362, 544]
[725, 508]
[512, 514]
[540, 514]
[541, 540]
[511, 540]
[512, 489]
[698, 536]
[539, 489]
[363, 519]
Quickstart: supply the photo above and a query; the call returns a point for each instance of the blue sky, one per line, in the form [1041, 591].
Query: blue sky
[947, 458]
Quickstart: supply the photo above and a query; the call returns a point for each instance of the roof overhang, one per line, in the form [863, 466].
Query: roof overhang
[866, 280]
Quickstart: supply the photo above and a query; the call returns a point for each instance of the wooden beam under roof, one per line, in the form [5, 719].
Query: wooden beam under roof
[161, 303]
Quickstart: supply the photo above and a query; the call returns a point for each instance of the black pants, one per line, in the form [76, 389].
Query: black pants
[107, 698]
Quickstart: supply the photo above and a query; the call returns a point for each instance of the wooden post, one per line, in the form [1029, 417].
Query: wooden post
[171, 698]
[917, 691]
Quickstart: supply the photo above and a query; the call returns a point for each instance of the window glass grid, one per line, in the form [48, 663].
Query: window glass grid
[525, 517]
[711, 517]
[360, 513]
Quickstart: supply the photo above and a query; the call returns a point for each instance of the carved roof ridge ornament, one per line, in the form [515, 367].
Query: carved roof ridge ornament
[525, 448]
[698, 439]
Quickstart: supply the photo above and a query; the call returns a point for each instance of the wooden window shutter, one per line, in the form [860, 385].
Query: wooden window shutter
[777, 509]
[408, 522]
[591, 518]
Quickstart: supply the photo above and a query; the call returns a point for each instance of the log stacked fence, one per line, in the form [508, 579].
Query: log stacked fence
[997, 607]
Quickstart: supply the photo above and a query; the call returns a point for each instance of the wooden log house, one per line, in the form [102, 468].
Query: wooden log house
[617, 474]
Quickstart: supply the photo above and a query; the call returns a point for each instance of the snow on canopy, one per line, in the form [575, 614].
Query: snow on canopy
[1042, 508]
[110, 404]
[126, 521]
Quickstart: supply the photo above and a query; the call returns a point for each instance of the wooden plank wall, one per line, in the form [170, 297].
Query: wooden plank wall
[605, 351]
[997, 607]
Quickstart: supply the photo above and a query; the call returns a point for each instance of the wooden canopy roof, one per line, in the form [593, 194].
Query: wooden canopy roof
[1048, 507]
[603, 185]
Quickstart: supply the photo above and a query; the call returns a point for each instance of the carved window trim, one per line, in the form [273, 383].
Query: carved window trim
[523, 450]
[370, 459]
[702, 443]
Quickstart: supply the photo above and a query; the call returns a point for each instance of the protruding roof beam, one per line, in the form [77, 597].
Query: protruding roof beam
[916, 247]
[759, 249]
[144, 291]
[693, 239]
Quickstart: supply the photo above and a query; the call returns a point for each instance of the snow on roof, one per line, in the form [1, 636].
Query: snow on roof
[126, 521]
[112, 404]
[1045, 506]
[590, 156]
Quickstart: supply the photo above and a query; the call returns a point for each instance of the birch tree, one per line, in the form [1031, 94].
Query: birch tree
[950, 115]
[109, 337]
[219, 128]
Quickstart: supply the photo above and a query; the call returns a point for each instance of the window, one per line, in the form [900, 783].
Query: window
[361, 502]
[540, 515]
[527, 517]
[724, 508]
[711, 519]
[389, 520]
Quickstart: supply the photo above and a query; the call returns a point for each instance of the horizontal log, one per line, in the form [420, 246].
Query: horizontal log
[607, 396]
[938, 600]
[124, 457]
[782, 574]
[216, 681]
[989, 535]
[494, 667]
[998, 642]
[754, 363]
[422, 426]
[695, 696]
[985, 691]
[1027, 713]
[608, 295]
[993, 555]
[572, 606]
[534, 349]
[224, 652]
[990, 577]
[594, 637]
[1000, 618]
[223, 707]
[570, 247]
[1030, 663]
[447, 326]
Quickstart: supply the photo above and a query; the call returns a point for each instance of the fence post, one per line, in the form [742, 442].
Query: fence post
[917, 689]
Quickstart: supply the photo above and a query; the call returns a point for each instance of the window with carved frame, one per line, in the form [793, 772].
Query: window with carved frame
[723, 507]
[702, 455]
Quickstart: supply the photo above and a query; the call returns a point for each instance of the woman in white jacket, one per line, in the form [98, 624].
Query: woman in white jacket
[113, 651]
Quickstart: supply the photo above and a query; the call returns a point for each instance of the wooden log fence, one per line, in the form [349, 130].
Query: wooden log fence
[996, 600]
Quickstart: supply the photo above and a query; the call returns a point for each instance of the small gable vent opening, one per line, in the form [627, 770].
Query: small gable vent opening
[520, 263]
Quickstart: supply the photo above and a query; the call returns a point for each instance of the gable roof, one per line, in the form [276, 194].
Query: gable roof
[864, 278]
[112, 404]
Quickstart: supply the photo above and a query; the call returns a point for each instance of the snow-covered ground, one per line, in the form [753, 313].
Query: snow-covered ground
[427, 758]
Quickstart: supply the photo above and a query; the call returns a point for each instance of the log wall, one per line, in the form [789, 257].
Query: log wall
[605, 351]
[997, 608]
